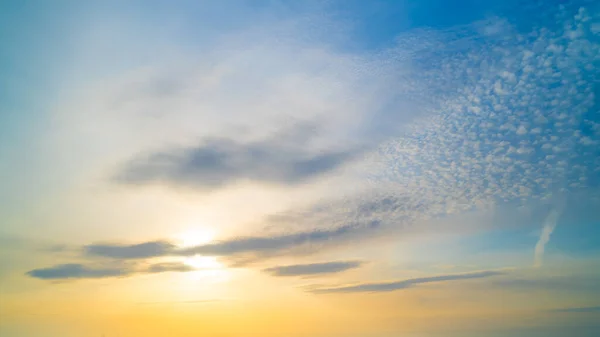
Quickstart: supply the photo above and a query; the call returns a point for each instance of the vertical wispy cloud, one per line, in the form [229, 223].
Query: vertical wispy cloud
[547, 229]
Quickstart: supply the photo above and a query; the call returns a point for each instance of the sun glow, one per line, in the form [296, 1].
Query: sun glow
[203, 262]
[195, 237]
[206, 267]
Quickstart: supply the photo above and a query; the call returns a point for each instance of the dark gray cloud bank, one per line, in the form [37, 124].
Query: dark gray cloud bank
[403, 284]
[313, 269]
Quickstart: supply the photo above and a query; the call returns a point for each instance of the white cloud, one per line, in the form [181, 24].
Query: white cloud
[547, 229]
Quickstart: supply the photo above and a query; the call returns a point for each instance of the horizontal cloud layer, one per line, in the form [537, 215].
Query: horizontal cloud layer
[243, 245]
[80, 271]
[313, 268]
[397, 285]
[579, 310]
[137, 251]
[75, 271]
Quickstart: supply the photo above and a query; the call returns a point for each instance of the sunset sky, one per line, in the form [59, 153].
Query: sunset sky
[335, 168]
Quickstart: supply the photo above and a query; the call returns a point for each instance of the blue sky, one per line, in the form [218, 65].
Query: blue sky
[314, 155]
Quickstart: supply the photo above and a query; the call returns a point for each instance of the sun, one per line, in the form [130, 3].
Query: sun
[206, 267]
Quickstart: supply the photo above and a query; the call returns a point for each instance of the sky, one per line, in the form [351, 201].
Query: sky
[299, 168]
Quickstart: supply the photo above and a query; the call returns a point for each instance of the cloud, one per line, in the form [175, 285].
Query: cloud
[279, 243]
[137, 251]
[240, 250]
[570, 283]
[547, 229]
[80, 271]
[207, 301]
[313, 268]
[476, 148]
[397, 285]
[169, 267]
[220, 161]
[578, 310]
[76, 271]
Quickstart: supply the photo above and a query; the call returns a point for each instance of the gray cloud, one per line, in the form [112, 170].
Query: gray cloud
[280, 243]
[259, 245]
[282, 159]
[80, 271]
[137, 251]
[313, 268]
[76, 271]
[570, 283]
[169, 267]
[240, 251]
[397, 285]
[579, 310]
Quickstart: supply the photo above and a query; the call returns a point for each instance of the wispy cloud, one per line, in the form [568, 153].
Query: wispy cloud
[547, 229]
[312, 269]
[168, 267]
[257, 245]
[403, 284]
[284, 159]
[569, 283]
[81, 271]
[279, 243]
[137, 251]
[578, 310]
[76, 271]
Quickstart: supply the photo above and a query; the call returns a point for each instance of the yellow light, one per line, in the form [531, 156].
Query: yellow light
[207, 268]
[195, 237]
[203, 262]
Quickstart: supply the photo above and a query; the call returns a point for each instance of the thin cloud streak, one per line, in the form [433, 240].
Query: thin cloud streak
[403, 284]
[76, 271]
[278, 243]
[138, 251]
[258, 244]
[80, 271]
[578, 310]
[313, 269]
